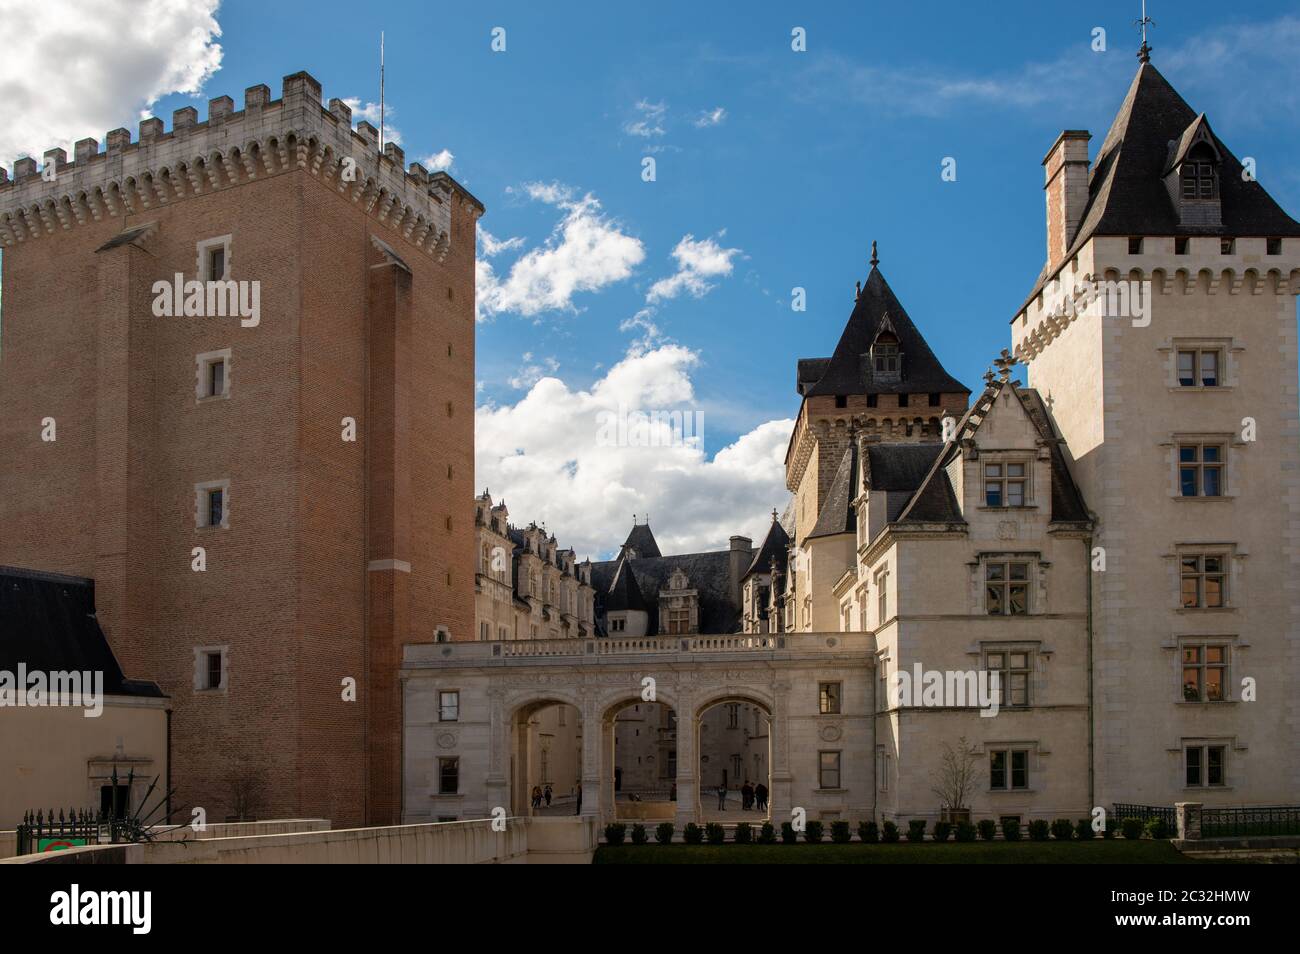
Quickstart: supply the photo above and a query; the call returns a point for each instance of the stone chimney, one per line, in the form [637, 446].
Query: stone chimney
[742, 554]
[1066, 184]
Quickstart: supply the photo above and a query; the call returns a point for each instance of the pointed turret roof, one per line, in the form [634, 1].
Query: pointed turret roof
[1126, 190]
[849, 371]
[624, 594]
[642, 541]
[775, 547]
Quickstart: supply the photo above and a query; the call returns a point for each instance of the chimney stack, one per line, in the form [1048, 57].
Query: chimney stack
[741, 554]
[1066, 184]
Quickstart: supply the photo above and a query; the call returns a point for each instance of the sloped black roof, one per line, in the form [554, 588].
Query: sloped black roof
[708, 573]
[47, 623]
[838, 514]
[898, 466]
[642, 541]
[624, 593]
[775, 547]
[848, 370]
[1126, 190]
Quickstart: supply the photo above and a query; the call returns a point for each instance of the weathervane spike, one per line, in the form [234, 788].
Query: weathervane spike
[875, 259]
[1144, 51]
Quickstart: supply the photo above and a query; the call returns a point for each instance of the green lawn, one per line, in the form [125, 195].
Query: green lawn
[1098, 852]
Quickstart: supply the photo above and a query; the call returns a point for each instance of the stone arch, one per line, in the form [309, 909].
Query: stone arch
[741, 758]
[528, 763]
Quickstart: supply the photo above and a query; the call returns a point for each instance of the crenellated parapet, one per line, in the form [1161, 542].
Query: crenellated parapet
[267, 138]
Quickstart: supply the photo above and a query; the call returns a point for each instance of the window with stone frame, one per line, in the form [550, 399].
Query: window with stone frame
[1200, 367]
[1014, 667]
[1205, 764]
[1006, 483]
[449, 705]
[1203, 579]
[1204, 670]
[828, 770]
[449, 776]
[828, 698]
[1008, 769]
[1201, 468]
[1006, 587]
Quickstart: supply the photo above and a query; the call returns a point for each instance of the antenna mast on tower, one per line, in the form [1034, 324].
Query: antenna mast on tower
[381, 91]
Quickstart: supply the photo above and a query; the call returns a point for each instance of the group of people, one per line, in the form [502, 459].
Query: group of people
[752, 797]
[542, 795]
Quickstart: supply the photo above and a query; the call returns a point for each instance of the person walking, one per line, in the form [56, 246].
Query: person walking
[722, 798]
[760, 796]
[547, 794]
[747, 796]
[537, 797]
[578, 808]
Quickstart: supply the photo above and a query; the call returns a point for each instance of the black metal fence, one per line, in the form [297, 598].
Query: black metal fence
[1242, 822]
[1146, 812]
[72, 829]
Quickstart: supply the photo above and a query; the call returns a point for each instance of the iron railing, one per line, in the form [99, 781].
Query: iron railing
[1239, 822]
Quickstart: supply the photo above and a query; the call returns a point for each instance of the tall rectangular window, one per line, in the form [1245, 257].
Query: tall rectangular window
[1200, 470]
[1204, 580]
[216, 501]
[1205, 765]
[212, 671]
[828, 698]
[216, 263]
[1205, 672]
[828, 769]
[448, 776]
[1013, 670]
[1009, 769]
[449, 706]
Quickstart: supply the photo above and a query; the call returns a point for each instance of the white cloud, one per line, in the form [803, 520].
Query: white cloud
[710, 117]
[697, 262]
[491, 246]
[73, 70]
[438, 161]
[649, 120]
[370, 113]
[530, 372]
[586, 251]
[545, 456]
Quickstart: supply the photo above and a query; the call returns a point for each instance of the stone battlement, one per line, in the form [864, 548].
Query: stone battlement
[266, 138]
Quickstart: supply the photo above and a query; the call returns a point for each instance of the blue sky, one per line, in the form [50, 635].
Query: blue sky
[781, 167]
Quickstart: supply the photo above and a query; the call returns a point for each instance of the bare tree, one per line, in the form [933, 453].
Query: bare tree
[246, 789]
[955, 778]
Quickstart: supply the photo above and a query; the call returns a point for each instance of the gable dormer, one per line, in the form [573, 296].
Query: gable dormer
[885, 359]
[679, 605]
[1192, 175]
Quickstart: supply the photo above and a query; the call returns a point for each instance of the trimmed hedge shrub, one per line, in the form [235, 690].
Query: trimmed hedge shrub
[916, 829]
[788, 835]
[942, 830]
[614, 833]
[889, 833]
[767, 834]
[1038, 830]
[965, 831]
[692, 834]
[813, 832]
[1011, 830]
[841, 834]
[664, 833]
[1131, 827]
[1062, 829]
[638, 835]
[714, 833]
[868, 833]
[988, 829]
[1083, 828]
[744, 833]
[1158, 828]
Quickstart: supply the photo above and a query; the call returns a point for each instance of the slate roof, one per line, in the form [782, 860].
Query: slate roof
[47, 623]
[708, 573]
[1126, 190]
[624, 592]
[837, 514]
[642, 541]
[775, 547]
[898, 466]
[848, 370]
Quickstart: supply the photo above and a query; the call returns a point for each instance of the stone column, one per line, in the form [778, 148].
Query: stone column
[688, 757]
[1188, 815]
[497, 783]
[593, 774]
[780, 796]
[608, 797]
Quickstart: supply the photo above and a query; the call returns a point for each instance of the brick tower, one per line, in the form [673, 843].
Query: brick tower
[263, 473]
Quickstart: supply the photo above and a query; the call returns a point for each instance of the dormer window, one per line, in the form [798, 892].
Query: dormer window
[1192, 175]
[885, 357]
[1198, 178]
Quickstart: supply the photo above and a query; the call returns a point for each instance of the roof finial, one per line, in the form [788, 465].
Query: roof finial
[988, 378]
[774, 515]
[1144, 51]
[858, 293]
[1004, 365]
[875, 258]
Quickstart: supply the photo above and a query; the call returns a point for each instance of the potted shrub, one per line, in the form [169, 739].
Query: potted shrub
[813, 832]
[916, 829]
[1062, 829]
[868, 832]
[1010, 830]
[767, 834]
[692, 834]
[1038, 830]
[664, 833]
[889, 833]
[987, 828]
[614, 833]
[1131, 827]
[638, 835]
[714, 833]
[965, 831]
[841, 834]
[744, 834]
[788, 835]
[1083, 828]
[941, 830]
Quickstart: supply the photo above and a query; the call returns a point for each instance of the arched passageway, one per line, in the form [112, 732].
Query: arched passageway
[641, 780]
[546, 758]
[735, 757]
